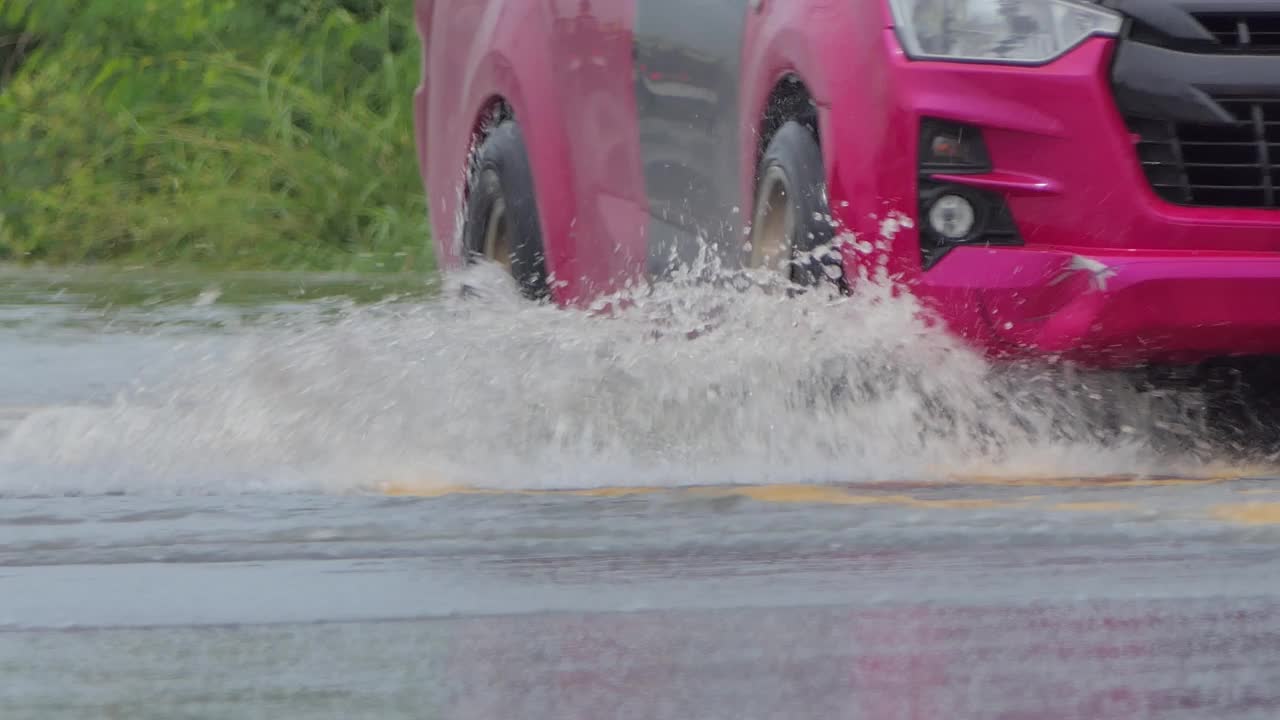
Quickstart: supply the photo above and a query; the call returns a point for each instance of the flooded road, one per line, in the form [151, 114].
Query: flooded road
[246, 497]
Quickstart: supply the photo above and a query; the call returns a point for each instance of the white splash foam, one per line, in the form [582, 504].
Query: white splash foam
[680, 383]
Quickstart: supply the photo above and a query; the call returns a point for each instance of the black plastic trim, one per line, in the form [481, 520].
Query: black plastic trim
[993, 224]
[931, 126]
[1182, 89]
[1226, 165]
[1179, 86]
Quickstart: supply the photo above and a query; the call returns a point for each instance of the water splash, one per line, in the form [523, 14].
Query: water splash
[683, 382]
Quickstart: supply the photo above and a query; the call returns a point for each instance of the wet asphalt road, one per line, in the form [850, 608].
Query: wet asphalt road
[1011, 598]
[1079, 601]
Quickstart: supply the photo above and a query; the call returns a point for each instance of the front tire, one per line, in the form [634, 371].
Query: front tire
[502, 223]
[791, 217]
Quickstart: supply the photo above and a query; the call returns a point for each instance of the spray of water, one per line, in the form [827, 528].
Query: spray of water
[682, 382]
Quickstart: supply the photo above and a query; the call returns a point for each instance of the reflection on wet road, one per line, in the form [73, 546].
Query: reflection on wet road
[413, 594]
[1114, 600]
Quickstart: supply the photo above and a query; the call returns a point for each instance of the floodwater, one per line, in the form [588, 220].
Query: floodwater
[280, 497]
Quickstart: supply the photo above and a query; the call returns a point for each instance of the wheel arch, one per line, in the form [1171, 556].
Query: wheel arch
[834, 55]
[493, 111]
[784, 78]
[790, 99]
[505, 74]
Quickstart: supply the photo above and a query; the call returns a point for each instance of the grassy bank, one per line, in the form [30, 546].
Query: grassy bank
[223, 133]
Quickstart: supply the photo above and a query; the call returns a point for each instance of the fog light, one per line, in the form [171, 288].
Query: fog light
[952, 217]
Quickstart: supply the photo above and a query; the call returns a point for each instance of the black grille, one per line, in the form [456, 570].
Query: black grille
[1229, 165]
[1256, 33]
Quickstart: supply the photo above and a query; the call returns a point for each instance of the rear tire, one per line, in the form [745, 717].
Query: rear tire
[791, 217]
[502, 223]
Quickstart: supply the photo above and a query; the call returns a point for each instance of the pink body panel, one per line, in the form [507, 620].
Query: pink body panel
[1179, 284]
[567, 77]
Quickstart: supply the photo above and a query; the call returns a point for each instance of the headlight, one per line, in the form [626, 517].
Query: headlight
[1010, 31]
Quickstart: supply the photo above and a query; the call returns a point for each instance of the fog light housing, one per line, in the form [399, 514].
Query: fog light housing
[952, 217]
[955, 214]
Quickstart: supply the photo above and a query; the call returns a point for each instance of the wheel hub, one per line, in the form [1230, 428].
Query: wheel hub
[771, 233]
[497, 235]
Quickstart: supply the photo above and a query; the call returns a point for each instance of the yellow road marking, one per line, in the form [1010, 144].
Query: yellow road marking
[827, 495]
[1254, 513]
[428, 491]
[1090, 482]
[431, 491]
[613, 492]
[781, 494]
[822, 493]
[1095, 506]
[878, 494]
[807, 494]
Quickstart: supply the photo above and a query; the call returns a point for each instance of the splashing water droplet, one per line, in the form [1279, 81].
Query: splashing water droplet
[736, 380]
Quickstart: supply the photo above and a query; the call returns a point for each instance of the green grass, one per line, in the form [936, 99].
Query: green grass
[110, 288]
[230, 134]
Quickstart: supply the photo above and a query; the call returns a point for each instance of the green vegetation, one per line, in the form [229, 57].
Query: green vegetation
[223, 133]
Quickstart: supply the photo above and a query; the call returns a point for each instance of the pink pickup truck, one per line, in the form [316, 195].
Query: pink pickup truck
[1092, 181]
